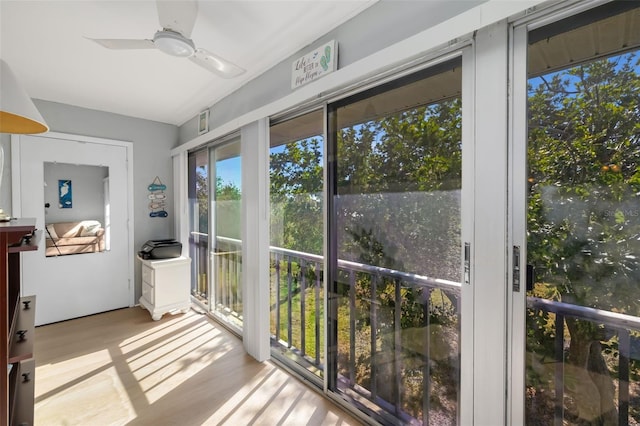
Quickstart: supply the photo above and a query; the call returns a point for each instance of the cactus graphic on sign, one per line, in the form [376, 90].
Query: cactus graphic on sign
[326, 58]
[315, 64]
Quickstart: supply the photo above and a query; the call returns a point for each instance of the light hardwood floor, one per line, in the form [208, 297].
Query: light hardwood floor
[122, 368]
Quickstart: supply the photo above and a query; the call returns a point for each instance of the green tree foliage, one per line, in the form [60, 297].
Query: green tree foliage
[584, 153]
[584, 212]
[227, 195]
[398, 207]
[296, 196]
[228, 209]
[399, 181]
[226, 191]
[202, 198]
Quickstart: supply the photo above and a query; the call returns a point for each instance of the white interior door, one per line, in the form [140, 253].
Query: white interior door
[83, 284]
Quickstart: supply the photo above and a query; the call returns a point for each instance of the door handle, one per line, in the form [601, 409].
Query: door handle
[516, 268]
[531, 277]
[467, 263]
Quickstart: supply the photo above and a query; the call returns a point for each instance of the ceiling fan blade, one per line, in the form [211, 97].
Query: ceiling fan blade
[122, 43]
[178, 16]
[216, 64]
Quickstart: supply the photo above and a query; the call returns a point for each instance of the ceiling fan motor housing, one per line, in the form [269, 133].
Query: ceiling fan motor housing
[173, 43]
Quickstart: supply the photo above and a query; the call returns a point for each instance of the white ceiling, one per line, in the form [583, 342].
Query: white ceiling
[44, 44]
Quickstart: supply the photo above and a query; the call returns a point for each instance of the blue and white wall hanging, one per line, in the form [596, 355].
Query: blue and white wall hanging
[65, 195]
[157, 198]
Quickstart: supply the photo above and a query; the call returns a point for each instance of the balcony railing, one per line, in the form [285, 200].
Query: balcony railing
[616, 323]
[410, 344]
[297, 308]
[301, 275]
[226, 263]
[199, 253]
[297, 277]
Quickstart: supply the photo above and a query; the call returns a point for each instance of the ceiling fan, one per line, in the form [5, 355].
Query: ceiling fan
[177, 19]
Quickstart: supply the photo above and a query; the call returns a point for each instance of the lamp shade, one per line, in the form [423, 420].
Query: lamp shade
[18, 114]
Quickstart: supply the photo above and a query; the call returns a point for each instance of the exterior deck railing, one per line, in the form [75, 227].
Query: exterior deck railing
[297, 278]
[300, 273]
[226, 261]
[199, 253]
[308, 276]
[419, 284]
[622, 324]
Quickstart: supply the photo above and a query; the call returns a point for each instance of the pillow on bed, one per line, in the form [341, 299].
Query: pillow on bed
[52, 232]
[90, 228]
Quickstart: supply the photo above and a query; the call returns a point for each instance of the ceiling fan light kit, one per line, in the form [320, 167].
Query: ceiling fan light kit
[174, 44]
[177, 19]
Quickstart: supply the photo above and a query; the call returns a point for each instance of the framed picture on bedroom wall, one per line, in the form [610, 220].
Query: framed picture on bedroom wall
[65, 195]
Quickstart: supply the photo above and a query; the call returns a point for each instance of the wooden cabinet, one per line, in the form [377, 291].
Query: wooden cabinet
[166, 286]
[17, 324]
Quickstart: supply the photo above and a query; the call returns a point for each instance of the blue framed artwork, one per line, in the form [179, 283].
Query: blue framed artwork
[65, 194]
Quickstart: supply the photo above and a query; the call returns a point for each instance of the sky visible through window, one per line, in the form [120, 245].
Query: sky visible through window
[618, 60]
[230, 171]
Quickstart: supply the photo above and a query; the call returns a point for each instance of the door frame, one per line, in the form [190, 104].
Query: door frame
[468, 396]
[16, 193]
[517, 193]
[517, 223]
[212, 183]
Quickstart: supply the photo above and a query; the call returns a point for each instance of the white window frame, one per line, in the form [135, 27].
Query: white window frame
[517, 309]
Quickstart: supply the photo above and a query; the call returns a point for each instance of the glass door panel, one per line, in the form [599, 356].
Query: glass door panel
[226, 246]
[297, 261]
[583, 220]
[395, 246]
[198, 183]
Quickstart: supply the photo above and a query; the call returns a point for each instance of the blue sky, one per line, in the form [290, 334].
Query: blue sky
[619, 60]
[230, 171]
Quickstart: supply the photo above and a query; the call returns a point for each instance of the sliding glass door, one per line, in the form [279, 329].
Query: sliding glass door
[297, 261]
[198, 183]
[395, 170]
[582, 227]
[215, 245]
[226, 243]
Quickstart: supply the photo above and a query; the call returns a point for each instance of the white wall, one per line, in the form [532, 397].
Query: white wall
[5, 189]
[87, 191]
[376, 28]
[152, 142]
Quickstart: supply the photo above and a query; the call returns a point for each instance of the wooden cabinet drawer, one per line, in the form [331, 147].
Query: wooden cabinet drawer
[23, 333]
[24, 393]
[17, 325]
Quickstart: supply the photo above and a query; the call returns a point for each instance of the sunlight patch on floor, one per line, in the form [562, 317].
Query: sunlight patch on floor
[166, 367]
[122, 368]
[271, 398]
[167, 356]
[81, 368]
[81, 403]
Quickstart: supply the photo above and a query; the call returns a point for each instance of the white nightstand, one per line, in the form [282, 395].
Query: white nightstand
[165, 286]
